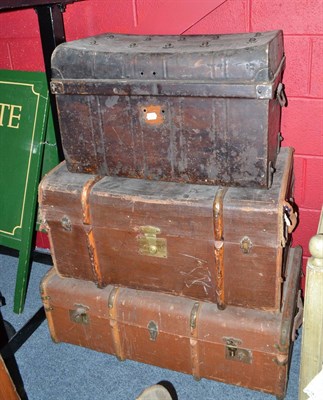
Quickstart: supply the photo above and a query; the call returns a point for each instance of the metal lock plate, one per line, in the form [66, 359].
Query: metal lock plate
[150, 244]
[245, 245]
[235, 353]
[66, 224]
[153, 115]
[153, 330]
[79, 315]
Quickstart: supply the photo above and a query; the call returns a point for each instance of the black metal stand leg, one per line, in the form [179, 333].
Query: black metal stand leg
[52, 33]
[23, 334]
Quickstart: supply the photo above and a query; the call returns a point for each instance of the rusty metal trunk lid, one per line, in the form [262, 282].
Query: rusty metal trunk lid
[234, 65]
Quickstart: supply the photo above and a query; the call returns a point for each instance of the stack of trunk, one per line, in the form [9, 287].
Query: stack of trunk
[170, 220]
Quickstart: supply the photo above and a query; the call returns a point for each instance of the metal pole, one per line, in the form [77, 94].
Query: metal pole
[52, 33]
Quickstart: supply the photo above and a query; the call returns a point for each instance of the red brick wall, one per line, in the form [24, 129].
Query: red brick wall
[301, 21]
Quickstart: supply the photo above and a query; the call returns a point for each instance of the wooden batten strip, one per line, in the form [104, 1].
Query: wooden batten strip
[91, 244]
[47, 303]
[85, 198]
[218, 246]
[112, 306]
[94, 259]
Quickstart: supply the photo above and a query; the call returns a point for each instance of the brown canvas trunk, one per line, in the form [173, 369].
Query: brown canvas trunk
[198, 109]
[249, 348]
[203, 242]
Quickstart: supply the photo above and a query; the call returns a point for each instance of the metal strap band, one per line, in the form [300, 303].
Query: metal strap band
[194, 342]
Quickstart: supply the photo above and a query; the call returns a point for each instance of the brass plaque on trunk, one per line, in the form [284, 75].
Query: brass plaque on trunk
[150, 244]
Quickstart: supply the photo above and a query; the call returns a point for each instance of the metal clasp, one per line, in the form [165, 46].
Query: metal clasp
[57, 87]
[150, 244]
[79, 315]
[270, 174]
[290, 217]
[279, 141]
[281, 96]
[235, 353]
[245, 245]
[66, 224]
[153, 330]
[193, 318]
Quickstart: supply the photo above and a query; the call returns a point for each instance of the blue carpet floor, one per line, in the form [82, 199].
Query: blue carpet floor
[64, 372]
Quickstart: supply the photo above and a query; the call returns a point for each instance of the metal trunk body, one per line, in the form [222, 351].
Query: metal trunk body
[209, 243]
[196, 109]
[249, 348]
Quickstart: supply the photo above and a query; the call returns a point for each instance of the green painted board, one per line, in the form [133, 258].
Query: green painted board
[50, 157]
[24, 108]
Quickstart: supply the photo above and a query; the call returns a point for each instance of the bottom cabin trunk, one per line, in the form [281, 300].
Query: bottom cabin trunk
[245, 347]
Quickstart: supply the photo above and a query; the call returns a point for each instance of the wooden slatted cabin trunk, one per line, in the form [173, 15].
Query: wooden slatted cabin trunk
[209, 243]
[245, 347]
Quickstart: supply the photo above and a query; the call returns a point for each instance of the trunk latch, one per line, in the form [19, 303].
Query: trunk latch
[235, 353]
[153, 330]
[245, 245]
[80, 315]
[150, 244]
